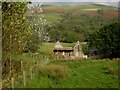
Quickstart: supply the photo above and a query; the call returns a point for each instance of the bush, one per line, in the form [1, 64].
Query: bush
[32, 44]
[107, 40]
[85, 49]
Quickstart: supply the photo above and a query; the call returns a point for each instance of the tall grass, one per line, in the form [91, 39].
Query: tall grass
[54, 71]
[111, 70]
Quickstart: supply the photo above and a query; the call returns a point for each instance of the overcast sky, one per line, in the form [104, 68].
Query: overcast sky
[103, 2]
[75, 0]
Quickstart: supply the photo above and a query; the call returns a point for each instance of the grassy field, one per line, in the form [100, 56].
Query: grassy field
[51, 11]
[84, 6]
[77, 74]
[85, 74]
[52, 17]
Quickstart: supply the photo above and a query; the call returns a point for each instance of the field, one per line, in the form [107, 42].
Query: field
[85, 74]
[58, 11]
[90, 73]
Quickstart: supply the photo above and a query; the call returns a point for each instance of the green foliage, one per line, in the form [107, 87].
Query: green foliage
[55, 35]
[74, 27]
[106, 40]
[68, 20]
[33, 43]
[71, 37]
[85, 49]
[14, 27]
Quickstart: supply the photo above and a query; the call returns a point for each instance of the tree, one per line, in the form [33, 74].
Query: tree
[15, 29]
[107, 40]
[71, 37]
[38, 33]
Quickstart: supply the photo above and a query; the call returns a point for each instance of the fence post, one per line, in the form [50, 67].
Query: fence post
[24, 81]
[31, 72]
[12, 82]
[21, 65]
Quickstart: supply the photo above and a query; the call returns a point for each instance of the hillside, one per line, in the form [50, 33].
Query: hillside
[72, 23]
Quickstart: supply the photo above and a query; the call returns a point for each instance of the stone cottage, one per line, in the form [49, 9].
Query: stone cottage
[75, 51]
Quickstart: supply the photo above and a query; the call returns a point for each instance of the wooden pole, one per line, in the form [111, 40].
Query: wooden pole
[10, 55]
[31, 72]
[12, 82]
[24, 79]
[21, 65]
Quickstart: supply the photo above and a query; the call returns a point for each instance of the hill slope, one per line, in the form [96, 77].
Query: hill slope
[72, 23]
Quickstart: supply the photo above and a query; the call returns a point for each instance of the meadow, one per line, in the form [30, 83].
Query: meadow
[84, 74]
[90, 73]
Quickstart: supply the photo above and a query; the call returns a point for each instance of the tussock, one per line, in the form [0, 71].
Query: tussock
[54, 71]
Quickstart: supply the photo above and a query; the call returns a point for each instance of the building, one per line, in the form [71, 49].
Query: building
[75, 51]
[59, 49]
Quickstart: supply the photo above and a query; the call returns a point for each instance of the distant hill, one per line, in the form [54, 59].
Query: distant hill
[90, 9]
[74, 22]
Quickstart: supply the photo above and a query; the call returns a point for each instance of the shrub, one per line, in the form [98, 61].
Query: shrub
[32, 44]
[85, 49]
[106, 40]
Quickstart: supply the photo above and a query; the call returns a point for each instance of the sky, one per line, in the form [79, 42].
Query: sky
[75, 0]
[102, 2]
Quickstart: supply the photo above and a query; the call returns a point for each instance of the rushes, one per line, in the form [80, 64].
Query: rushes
[54, 71]
[111, 70]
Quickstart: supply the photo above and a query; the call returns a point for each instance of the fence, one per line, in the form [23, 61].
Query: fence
[27, 72]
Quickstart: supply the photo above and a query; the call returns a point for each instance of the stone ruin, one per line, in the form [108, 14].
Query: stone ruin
[72, 52]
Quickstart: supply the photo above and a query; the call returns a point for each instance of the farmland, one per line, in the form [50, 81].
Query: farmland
[80, 9]
[77, 74]
[90, 73]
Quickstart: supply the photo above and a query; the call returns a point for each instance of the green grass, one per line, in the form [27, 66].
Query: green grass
[52, 17]
[85, 74]
[77, 74]
[89, 74]
[84, 6]
[46, 47]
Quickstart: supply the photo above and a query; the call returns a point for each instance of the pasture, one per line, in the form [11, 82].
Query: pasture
[54, 13]
[91, 73]
[84, 74]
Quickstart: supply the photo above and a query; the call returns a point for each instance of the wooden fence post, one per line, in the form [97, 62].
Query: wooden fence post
[12, 83]
[31, 73]
[21, 65]
[24, 79]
